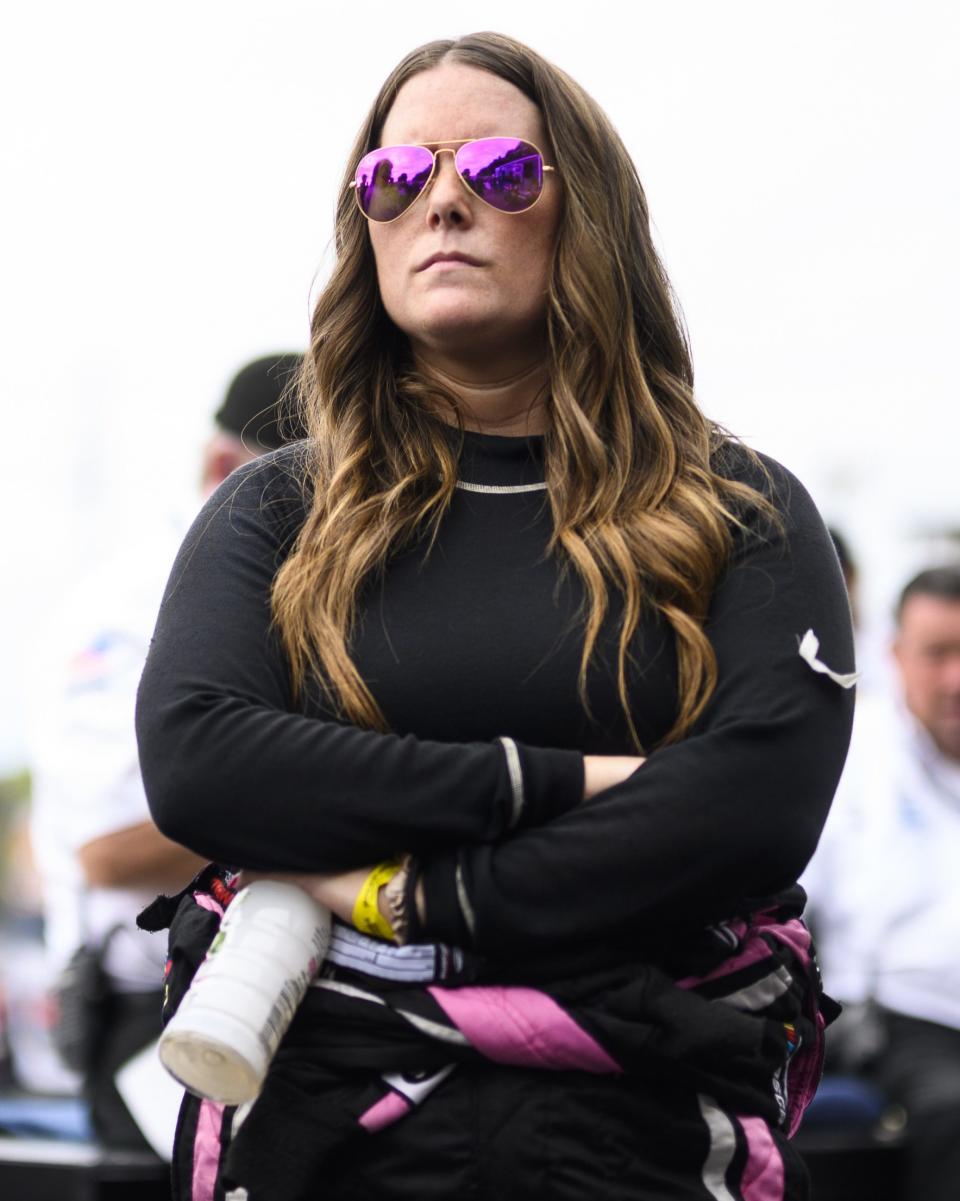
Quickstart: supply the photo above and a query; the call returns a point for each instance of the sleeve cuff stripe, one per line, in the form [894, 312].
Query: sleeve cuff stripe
[515, 772]
[469, 917]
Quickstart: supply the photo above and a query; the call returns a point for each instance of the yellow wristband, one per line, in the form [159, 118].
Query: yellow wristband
[366, 909]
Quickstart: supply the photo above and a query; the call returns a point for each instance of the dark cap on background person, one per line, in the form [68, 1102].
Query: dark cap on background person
[257, 414]
[258, 408]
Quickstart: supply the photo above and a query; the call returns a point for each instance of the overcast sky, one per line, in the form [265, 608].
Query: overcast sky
[169, 179]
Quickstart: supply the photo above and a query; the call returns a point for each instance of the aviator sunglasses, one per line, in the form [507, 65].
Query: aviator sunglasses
[506, 173]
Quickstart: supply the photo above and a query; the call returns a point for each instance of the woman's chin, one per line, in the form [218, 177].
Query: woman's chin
[471, 332]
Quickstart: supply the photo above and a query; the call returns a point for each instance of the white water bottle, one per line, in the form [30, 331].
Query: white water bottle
[243, 997]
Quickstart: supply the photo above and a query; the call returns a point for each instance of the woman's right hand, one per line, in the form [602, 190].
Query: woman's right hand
[601, 772]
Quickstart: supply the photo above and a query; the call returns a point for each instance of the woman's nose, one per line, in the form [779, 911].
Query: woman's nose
[448, 202]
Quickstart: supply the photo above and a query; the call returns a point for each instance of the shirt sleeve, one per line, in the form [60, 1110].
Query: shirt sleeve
[234, 772]
[732, 811]
[847, 881]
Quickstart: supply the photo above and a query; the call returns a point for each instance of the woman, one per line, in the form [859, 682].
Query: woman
[514, 570]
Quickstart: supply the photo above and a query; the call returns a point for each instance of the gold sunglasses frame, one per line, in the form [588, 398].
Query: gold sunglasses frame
[447, 148]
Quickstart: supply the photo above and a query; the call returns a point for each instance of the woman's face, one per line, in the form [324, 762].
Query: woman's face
[489, 305]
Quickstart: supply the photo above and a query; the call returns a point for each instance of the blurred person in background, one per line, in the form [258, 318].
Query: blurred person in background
[885, 889]
[100, 857]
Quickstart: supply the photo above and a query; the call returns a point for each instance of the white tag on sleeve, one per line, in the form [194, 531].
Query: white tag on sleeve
[809, 645]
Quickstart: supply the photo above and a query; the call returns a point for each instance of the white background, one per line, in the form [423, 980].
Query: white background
[168, 185]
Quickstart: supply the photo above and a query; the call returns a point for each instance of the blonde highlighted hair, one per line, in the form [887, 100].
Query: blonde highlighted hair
[636, 503]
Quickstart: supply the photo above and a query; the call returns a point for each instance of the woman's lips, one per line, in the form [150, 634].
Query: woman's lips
[443, 262]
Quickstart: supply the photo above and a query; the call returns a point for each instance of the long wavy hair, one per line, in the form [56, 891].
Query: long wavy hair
[636, 503]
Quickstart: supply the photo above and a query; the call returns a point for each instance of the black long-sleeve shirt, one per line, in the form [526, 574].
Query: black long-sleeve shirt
[472, 652]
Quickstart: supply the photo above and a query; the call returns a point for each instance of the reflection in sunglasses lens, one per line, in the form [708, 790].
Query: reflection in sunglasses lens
[390, 180]
[505, 172]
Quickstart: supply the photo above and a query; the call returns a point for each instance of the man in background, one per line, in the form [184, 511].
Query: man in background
[100, 856]
[885, 886]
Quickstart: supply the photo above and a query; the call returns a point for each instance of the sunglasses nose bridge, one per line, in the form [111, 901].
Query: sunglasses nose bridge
[438, 162]
[439, 171]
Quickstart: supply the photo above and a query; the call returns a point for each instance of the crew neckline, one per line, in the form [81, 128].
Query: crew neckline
[501, 462]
